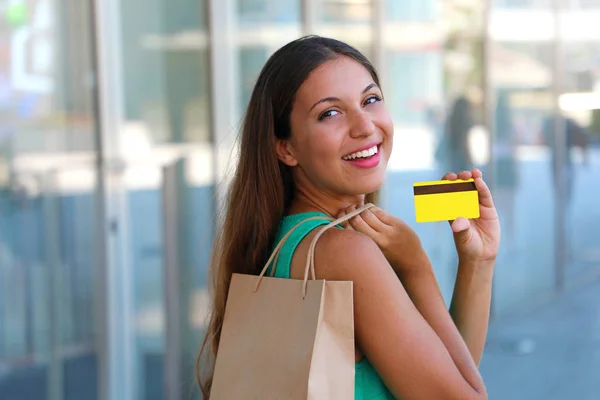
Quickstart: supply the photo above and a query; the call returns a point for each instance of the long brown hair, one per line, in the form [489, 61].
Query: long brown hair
[262, 186]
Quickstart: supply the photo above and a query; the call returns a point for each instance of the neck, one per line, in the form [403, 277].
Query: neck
[307, 201]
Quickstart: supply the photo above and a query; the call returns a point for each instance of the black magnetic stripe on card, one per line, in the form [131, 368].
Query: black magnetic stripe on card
[445, 188]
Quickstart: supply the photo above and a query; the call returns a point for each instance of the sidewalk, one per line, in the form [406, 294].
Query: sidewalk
[551, 353]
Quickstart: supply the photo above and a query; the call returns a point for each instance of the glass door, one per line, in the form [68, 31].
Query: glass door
[164, 147]
[580, 105]
[48, 202]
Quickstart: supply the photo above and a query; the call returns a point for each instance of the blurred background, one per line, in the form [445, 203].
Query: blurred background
[117, 128]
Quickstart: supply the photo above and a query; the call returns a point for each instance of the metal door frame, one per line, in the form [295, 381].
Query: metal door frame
[114, 303]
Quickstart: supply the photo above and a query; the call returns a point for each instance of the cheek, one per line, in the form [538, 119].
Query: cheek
[386, 125]
[317, 149]
[324, 144]
[386, 122]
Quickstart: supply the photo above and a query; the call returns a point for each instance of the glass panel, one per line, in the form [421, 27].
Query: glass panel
[580, 105]
[73, 202]
[347, 20]
[523, 4]
[535, 144]
[523, 171]
[346, 11]
[411, 10]
[146, 244]
[268, 11]
[250, 63]
[166, 87]
[411, 98]
[432, 137]
[264, 26]
[165, 67]
[194, 224]
[48, 198]
[415, 95]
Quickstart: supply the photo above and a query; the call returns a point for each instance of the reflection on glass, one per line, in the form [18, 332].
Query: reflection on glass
[522, 170]
[453, 152]
[347, 20]
[43, 98]
[165, 68]
[265, 25]
[411, 10]
[506, 144]
[544, 150]
[415, 87]
[47, 201]
[166, 88]
[580, 123]
[523, 4]
[268, 11]
[346, 11]
[251, 61]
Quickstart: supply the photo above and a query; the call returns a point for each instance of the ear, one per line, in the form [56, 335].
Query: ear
[284, 153]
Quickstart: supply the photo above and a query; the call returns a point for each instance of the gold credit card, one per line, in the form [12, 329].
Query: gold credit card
[446, 200]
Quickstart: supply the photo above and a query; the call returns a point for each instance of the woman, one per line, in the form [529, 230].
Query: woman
[453, 150]
[315, 141]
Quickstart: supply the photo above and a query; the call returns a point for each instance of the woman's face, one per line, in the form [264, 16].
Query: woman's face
[341, 131]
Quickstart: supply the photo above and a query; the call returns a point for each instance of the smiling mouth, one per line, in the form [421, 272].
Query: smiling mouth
[368, 153]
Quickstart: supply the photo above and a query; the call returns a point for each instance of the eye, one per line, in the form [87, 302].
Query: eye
[328, 114]
[372, 99]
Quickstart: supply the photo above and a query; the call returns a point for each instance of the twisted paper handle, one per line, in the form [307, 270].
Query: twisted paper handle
[310, 260]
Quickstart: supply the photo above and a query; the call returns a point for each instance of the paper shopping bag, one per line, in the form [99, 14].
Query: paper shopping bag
[285, 339]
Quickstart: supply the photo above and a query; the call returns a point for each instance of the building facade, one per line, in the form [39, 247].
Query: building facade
[119, 120]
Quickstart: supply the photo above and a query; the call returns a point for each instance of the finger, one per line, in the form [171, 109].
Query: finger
[460, 228]
[450, 176]
[485, 195]
[359, 224]
[464, 175]
[373, 221]
[476, 173]
[460, 224]
[383, 216]
[345, 224]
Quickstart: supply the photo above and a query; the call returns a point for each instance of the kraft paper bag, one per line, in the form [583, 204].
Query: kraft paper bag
[285, 339]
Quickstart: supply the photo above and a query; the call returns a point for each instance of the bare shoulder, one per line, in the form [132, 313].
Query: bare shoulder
[389, 330]
[339, 255]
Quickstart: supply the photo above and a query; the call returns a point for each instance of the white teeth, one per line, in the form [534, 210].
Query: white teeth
[361, 154]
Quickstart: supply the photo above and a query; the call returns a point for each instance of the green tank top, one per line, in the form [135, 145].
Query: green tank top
[367, 384]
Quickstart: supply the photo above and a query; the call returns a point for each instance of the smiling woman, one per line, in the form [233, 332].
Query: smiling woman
[315, 143]
[327, 131]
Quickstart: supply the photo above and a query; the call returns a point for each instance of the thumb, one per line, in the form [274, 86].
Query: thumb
[461, 229]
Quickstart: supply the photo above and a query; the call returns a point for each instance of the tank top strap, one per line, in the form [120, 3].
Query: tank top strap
[289, 247]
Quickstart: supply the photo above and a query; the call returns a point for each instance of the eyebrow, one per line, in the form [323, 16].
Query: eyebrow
[332, 99]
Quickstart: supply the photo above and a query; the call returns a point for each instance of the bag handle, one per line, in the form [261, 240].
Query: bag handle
[310, 259]
[277, 250]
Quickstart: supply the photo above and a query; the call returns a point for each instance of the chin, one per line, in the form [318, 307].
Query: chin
[370, 187]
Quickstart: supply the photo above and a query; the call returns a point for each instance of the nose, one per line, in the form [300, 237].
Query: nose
[361, 125]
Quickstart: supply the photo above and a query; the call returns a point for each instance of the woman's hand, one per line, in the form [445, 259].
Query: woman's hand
[398, 241]
[477, 240]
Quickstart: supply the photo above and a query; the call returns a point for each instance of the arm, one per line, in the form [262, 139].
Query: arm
[475, 240]
[416, 360]
[471, 300]
[469, 310]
